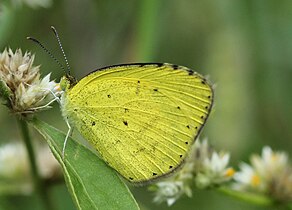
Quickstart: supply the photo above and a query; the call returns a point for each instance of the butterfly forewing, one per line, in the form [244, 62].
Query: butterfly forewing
[141, 118]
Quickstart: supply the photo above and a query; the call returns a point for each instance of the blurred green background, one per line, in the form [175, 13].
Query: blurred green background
[244, 47]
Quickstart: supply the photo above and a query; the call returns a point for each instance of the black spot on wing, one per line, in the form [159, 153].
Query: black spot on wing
[190, 71]
[203, 81]
[125, 123]
[175, 67]
[154, 174]
[155, 89]
[131, 178]
[93, 123]
[170, 166]
[109, 96]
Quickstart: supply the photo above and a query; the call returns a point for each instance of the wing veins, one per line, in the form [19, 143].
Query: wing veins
[107, 150]
[145, 112]
[126, 146]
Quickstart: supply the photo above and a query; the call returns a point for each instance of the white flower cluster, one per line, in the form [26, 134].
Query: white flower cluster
[175, 186]
[269, 174]
[20, 83]
[211, 168]
[204, 167]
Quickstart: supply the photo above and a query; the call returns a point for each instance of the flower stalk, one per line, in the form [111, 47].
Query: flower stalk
[38, 182]
[248, 197]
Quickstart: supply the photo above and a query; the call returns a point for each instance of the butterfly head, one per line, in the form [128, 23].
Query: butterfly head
[67, 82]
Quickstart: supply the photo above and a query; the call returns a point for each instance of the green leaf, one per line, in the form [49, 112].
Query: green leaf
[92, 184]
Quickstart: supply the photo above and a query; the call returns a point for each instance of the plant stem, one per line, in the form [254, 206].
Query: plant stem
[147, 25]
[38, 182]
[248, 197]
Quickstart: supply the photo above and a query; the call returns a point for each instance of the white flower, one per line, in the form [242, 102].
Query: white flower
[13, 161]
[15, 168]
[169, 191]
[248, 178]
[175, 186]
[32, 97]
[21, 87]
[211, 168]
[204, 166]
[269, 174]
[33, 3]
[270, 163]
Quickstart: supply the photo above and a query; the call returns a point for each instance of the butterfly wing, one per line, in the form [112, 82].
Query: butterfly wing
[141, 118]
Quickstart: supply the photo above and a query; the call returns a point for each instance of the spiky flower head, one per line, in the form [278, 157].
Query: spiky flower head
[21, 87]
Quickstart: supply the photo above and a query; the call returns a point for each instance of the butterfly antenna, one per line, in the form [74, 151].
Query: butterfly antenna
[47, 51]
[60, 44]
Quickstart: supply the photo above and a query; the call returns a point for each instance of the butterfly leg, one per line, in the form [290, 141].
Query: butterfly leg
[67, 136]
[46, 105]
[56, 98]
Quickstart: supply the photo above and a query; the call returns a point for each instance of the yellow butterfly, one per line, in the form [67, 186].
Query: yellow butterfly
[142, 118]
